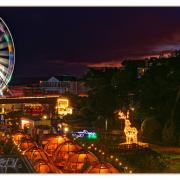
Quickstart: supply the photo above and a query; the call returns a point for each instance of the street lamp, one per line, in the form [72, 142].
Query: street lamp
[44, 117]
[66, 129]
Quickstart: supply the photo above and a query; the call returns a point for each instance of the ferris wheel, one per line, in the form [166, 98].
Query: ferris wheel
[7, 56]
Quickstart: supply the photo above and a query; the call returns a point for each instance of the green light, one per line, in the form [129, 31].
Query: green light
[6, 37]
[92, 136]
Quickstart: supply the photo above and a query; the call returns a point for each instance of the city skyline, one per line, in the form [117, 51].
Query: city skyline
[66, 40]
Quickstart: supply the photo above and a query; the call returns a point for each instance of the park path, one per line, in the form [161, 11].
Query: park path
[165, 149]
[172, 155]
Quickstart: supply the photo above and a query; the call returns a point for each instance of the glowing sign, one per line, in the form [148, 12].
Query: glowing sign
[85, 133]
[62, 103]
[63, 107]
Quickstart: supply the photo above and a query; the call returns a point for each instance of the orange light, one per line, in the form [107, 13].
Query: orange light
[62, 103]
[63, 107]
[130, 132]
[23, 122]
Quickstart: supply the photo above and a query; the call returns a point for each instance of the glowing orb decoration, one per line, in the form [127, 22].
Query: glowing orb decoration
[7, 56]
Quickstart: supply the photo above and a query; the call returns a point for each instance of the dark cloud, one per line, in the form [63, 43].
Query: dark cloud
[52, 41]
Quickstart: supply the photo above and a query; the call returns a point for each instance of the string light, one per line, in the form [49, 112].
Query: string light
[111, 157]
[126, 168]
[99, 150]
[117, 159]
[102, 153]
[120, 163]
[92, 144]
[95, 148]
[130, 172]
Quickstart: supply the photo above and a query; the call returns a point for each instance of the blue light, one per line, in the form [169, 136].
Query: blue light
[11, 56]
[85, 134]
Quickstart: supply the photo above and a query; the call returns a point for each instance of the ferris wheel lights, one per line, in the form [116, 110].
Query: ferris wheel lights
[10, 48]
[1, 28]
[6, 37]
[7, 55]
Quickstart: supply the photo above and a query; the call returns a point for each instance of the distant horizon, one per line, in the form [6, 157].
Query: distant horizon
[94, 67]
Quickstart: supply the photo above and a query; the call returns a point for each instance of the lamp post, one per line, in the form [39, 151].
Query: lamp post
[106, 128]
[66, 130]
[132, 115]
[106, 125]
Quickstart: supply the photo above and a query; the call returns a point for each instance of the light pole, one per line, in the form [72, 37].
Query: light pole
[132, 110]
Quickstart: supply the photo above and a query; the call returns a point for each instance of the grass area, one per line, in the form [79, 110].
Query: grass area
[172, 156]
[173, 161]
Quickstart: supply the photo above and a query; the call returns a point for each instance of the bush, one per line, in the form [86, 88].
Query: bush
[150, 130]
[146, 161]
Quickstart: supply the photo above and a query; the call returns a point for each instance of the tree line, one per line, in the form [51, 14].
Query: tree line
[149, 89]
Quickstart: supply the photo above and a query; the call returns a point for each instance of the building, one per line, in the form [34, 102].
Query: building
[55, 85]
[59, 85]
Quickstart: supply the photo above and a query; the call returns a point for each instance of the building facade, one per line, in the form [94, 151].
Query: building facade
[55, 85]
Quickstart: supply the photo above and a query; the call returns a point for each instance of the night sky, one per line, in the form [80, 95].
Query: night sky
[66, 40]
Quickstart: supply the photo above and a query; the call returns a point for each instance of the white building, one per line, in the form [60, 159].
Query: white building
[60, 85]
